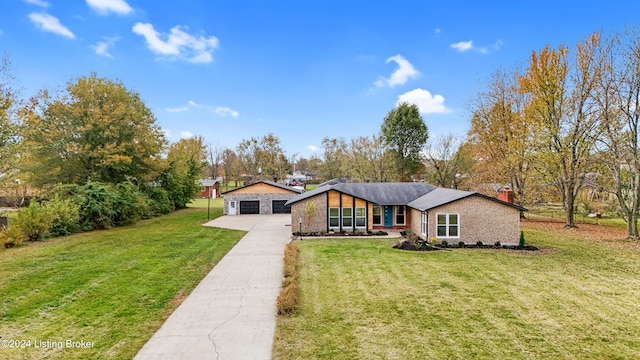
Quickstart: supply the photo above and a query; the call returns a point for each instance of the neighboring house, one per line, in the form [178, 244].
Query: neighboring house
[209, 188]
[429, 211]
[262, 197]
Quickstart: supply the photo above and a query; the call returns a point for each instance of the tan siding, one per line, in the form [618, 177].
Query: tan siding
[480, 220]
[347, 200]
[260, 188]
[370, 217]
[334, 198]
[414, 224]
[360, 203]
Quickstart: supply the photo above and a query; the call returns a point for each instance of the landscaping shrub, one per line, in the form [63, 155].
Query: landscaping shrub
[158, 201]
[521, 243]
[288, 298]
[34, 221]
[98, 203]
[66, 216]
[11, 236]
[131, 205]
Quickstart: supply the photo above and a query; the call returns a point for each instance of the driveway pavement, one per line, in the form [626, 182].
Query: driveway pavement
[231, 314]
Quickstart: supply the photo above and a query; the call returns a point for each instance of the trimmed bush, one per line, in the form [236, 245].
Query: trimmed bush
[521, 243]
[287, 301]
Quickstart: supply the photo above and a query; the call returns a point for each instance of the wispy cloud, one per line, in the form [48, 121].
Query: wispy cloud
[50, 23]
[194, 104]
[426, 103]
[102, 47]
[105, 7]
[463, 46]
[313, 148]
[177, 109]
[225, 111]
[41, 3]
[404, 72]
[178, 44]
[186, 134]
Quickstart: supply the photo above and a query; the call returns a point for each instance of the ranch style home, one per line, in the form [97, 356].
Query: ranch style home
[428, 211]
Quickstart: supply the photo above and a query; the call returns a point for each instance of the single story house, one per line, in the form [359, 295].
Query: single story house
[428, 211]
[262, 197]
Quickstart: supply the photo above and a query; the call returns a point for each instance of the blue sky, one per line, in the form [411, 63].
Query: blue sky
[303, 70]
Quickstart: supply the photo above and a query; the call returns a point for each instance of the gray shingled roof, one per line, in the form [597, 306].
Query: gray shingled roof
[269, 183]
[378, 193]
[419, 196]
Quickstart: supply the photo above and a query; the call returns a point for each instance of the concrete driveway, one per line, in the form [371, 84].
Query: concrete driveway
[231, 314]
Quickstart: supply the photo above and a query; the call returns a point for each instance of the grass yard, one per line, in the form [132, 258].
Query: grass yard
[114, 288]
[361, 299]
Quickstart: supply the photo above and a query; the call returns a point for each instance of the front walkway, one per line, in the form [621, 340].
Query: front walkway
[231, 314]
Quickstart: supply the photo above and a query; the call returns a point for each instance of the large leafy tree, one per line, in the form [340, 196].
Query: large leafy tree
[8, 124]
[502, 135]
[186, 159]
[562, 102]
[405, 132]
[96, 130]
[447, 162]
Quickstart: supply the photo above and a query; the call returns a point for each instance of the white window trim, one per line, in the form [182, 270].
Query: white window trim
[447, 226]
[381, 216]
[339, 217]
[356, 217]
[342, 218]
[423, 222]
[395, 215]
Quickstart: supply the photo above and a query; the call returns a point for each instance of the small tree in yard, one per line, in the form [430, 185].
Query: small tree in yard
[34, 221]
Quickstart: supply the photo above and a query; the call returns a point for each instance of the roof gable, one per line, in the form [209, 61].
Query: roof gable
[270, 183]
[443, 196]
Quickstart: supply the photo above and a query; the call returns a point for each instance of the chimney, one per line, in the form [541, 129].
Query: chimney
[506, 194]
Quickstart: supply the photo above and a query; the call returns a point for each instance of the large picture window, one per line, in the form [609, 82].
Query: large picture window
[347, 217]
[448, 225]
[334, 217]
[377, 215]
[400, 215]
[361, 217]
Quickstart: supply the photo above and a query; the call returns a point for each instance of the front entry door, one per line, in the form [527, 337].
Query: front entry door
[388, 216]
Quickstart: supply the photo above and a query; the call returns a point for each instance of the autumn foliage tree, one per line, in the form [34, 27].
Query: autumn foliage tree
[96, 130]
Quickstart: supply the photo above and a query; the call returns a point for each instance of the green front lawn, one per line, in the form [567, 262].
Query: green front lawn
[114, 288]
[361, 299]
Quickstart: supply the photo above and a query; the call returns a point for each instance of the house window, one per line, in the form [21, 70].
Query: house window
[347, 217]
[423, 223]
[377, 215]
[361, 217]
[399, 215]
[448, 225]
[334, 217]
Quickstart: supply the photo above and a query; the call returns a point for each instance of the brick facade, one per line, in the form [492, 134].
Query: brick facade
[316, 223]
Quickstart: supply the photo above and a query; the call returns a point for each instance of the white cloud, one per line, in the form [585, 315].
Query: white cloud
[41, 3]
[178, 43]
[401, 75]
[177, 109]
[193, 103]
[426, 102]
[105, 7]
[224, 111]
[463, 46]
[102, 47]
[50, 23]
[313, 148]
[185, 134]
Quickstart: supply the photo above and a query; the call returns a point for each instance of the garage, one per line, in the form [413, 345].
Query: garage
[262, 197]
[250, 207]
[279, 208]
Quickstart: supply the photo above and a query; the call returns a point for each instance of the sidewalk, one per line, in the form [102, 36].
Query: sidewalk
[231, 314]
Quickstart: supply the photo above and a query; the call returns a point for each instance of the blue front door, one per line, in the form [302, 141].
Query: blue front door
[388, 216]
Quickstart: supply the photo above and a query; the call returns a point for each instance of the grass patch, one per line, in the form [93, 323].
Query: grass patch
[204, 203]
[114, 288]
[360, 299]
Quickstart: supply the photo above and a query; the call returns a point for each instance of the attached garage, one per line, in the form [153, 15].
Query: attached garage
[279, 207]
[262, 197]
[250, 207]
